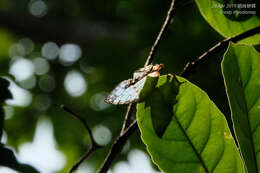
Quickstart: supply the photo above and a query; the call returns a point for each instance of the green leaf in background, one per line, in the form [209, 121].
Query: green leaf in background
[4, 91]
[8, 159]
[6, 40]
[241, 70]
[4, 94]
[196, 139]
[212, 11]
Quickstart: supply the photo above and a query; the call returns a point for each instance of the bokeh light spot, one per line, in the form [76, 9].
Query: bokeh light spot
[42, 102]
[85, 67]
[16, 49]
[97, 101]
[38, 8]
[47, 83]
[41, 65]
[50, 50]
[7, 170]
[4, 138]
[122, 166]
[126, 147]
[42, 152]
[29, 83]
[21, 68]
[9, 112]
[69, 53]
[102, 135]
[75, 84]
[27, 44]
[21, 97]
[86, 168]
[138, 161]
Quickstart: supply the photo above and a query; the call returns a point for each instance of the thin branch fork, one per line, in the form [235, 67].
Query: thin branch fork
[94, 145]
[127, 120]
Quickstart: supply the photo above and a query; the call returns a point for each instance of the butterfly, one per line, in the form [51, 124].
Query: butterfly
[128, 91]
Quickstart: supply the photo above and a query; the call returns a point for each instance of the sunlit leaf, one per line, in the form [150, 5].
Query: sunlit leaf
[216, 14]
[195, 137]
[241, 70]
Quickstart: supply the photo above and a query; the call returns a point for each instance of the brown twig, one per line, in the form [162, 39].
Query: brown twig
[127, 120]
[94, 145]
[127, 129]
[118, 146]
[191, 66]
[165, 25]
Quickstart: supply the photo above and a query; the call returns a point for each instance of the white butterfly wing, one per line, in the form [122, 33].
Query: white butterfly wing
[125, 94]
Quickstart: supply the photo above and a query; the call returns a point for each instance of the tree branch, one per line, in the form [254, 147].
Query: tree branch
[83, 158]
[127, 120]
[127, 131]
[162, 32]
[118, 146]
[94, 145]
[191, 66]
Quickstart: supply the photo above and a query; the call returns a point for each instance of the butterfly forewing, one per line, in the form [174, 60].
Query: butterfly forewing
[125, 94]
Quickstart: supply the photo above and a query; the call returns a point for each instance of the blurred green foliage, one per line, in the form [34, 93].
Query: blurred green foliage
[115, 37]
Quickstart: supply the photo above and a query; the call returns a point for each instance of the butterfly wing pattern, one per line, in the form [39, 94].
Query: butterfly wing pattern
[128, 91]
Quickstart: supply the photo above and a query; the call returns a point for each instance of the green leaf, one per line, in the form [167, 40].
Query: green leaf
[212, 11]
[196, 137]
[6, 40]
[241, 70]
[8, 159]
[4, 91]
[4, 94]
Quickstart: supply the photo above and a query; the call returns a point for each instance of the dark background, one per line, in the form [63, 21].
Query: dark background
[115, 37]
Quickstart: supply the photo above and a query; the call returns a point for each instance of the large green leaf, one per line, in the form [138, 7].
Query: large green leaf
[196, 137]
[212, 11]
[241, 70]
